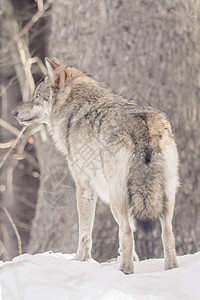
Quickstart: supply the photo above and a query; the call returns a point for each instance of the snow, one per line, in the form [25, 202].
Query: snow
[55, 276]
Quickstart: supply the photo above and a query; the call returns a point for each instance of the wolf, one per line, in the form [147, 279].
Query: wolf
[116, 150]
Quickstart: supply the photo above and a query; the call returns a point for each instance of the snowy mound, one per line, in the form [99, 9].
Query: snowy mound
[54, 276]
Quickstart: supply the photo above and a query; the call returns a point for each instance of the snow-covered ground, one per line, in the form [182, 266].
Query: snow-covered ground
[54, 276]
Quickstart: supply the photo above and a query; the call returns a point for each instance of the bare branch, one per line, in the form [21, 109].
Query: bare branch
[19, 53]
[7, 145]
[15, 230]
[35, 59]
[40, 5]
[29, 157]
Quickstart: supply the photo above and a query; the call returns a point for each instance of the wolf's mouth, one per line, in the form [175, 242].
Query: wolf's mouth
[25, 121]
[28, 120]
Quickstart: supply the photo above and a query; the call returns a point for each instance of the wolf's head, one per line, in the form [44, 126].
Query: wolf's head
[38, 109]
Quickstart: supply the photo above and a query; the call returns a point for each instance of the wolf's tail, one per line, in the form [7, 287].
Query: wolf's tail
[146, 188]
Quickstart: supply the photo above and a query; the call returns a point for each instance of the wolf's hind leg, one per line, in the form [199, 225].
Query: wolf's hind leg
[120, 213]
[133, 228]
[86, 203]
[168, 236]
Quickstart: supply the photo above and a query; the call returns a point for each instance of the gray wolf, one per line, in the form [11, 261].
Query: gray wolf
[116, 150]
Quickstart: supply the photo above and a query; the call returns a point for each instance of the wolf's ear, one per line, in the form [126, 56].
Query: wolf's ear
[51, 65]
[56, 72]
[55, 60]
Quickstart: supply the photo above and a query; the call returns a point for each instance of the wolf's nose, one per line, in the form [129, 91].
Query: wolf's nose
[15, 113]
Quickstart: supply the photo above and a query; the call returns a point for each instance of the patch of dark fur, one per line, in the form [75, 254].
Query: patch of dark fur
[147, 157]
[129, 193]
[164, 206]
[147, 226]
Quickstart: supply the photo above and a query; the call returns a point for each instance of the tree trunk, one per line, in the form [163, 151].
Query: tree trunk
[148, 51]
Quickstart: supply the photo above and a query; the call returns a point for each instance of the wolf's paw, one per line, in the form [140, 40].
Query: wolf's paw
[127, 268]
[171, 265]
[82, 256]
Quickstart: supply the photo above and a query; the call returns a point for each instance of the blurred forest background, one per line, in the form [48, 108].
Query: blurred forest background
[146, 50]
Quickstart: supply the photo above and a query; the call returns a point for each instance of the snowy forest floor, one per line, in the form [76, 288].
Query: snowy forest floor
[54, 276]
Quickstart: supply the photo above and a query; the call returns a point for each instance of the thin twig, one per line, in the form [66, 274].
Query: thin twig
[10, 82]
[14, 144]
[23, 226]
[9, 176]
[4, 101]
[9, 127]
[15, 230]
[28, 133]
[19, 53]
[4, 252]
[26, 202]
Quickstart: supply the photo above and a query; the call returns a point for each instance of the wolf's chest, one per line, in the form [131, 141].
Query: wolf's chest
[59, 139]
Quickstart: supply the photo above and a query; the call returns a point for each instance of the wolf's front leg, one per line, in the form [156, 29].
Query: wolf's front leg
[86, 203]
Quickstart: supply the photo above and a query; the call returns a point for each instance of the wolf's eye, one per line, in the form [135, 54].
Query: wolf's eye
[37, 96]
